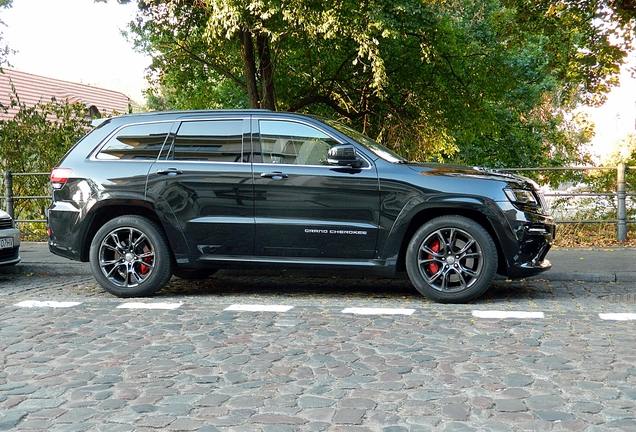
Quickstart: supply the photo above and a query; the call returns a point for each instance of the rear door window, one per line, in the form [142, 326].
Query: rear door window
[209, 140]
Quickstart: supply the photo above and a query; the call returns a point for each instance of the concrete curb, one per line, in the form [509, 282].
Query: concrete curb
[588, 277]
[71, 269]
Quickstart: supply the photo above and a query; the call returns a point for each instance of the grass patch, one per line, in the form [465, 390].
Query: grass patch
[592, 235]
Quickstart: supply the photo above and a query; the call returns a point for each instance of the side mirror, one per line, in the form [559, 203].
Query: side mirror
[344, 155]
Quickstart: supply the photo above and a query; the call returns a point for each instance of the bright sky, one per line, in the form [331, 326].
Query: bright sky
[76, 40]
[616, 118]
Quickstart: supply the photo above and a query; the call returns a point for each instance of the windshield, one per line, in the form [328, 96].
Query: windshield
[378, 149]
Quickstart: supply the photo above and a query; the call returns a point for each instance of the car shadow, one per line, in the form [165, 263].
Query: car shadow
[284, 285]
[280, 287]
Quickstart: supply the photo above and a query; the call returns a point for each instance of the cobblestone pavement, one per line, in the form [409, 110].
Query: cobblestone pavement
[283, 353]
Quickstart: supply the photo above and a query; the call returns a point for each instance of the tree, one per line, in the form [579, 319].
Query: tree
[4, 49]
[34, 140]
[487, 82]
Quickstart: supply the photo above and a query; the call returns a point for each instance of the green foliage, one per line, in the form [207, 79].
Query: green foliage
[489, 82]
[33, 141]
[4, 49]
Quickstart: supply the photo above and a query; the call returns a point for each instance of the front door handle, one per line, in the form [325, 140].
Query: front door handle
[275, 175]
[169, 172]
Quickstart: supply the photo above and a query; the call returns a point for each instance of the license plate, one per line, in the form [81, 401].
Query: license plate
[6, 242]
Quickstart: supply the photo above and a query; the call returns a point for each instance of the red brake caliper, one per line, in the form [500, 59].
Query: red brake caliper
[433, 267]
[144, 268]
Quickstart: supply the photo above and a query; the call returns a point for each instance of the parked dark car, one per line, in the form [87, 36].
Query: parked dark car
[9, 240]
[146, 196]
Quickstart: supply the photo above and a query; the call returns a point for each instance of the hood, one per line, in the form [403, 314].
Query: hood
[452, 170]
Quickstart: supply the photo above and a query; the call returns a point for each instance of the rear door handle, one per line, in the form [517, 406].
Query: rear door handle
[169, 172]
[275, 175]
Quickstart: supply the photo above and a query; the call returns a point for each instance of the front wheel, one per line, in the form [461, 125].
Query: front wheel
[451, 259]
[130, 257]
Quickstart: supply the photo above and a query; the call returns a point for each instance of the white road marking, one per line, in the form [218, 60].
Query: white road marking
[51, 304]
[167, 306]
[617, 316]
[258, 308]
[378, 311]
[353, 310]
[507, 314]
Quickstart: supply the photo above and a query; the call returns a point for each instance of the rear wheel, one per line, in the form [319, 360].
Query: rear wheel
[451, 259]
[130, 257]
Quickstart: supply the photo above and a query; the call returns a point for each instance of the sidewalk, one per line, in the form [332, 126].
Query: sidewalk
[582, 264]
[37, 259]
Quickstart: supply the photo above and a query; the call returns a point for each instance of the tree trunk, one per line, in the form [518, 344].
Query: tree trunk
[267, 73]
[249, 66]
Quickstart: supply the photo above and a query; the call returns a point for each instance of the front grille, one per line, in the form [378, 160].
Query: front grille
[9, 254]
[6, 223]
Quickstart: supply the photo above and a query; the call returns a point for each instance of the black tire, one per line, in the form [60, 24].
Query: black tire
[193, 274]
[130, 257]
[451, 259]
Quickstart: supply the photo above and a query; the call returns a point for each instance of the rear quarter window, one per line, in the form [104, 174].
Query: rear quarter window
[136, 142]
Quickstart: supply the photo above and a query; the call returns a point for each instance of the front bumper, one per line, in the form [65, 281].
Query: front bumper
[530, 241]
[10, 255]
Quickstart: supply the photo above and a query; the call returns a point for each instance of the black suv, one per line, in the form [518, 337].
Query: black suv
[147, 196]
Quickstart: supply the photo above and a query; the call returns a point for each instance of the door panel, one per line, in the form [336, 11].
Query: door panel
[306, 208]
[206, 182]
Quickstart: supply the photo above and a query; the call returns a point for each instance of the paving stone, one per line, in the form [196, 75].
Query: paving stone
[350, 416]
[185, 424]
[276, 419]
[33, 405]
[544, 402]
[10, 419]
[78, 415]
[360, 403]
[174, 410]
[518, 380]
[144, 408]
[236, 377]
[587, 407]
[208, 428]
[553, 415]
[456, 411]
[510, 405]
[200, 367]
[213, 400]
[112, 405]
[315, 402]
[156, 421]
[482, 402]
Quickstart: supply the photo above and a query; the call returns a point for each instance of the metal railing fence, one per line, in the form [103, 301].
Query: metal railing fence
[9, 197]
[619, 194]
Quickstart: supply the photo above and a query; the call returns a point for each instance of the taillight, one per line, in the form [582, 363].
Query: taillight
[59, 176]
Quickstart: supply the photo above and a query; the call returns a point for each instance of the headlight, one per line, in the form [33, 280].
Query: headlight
[522, 197]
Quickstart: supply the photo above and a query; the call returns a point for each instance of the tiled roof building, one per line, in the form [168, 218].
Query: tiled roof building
[32, 89]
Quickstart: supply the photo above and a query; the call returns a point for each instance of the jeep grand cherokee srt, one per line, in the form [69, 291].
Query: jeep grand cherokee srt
[143, 197]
